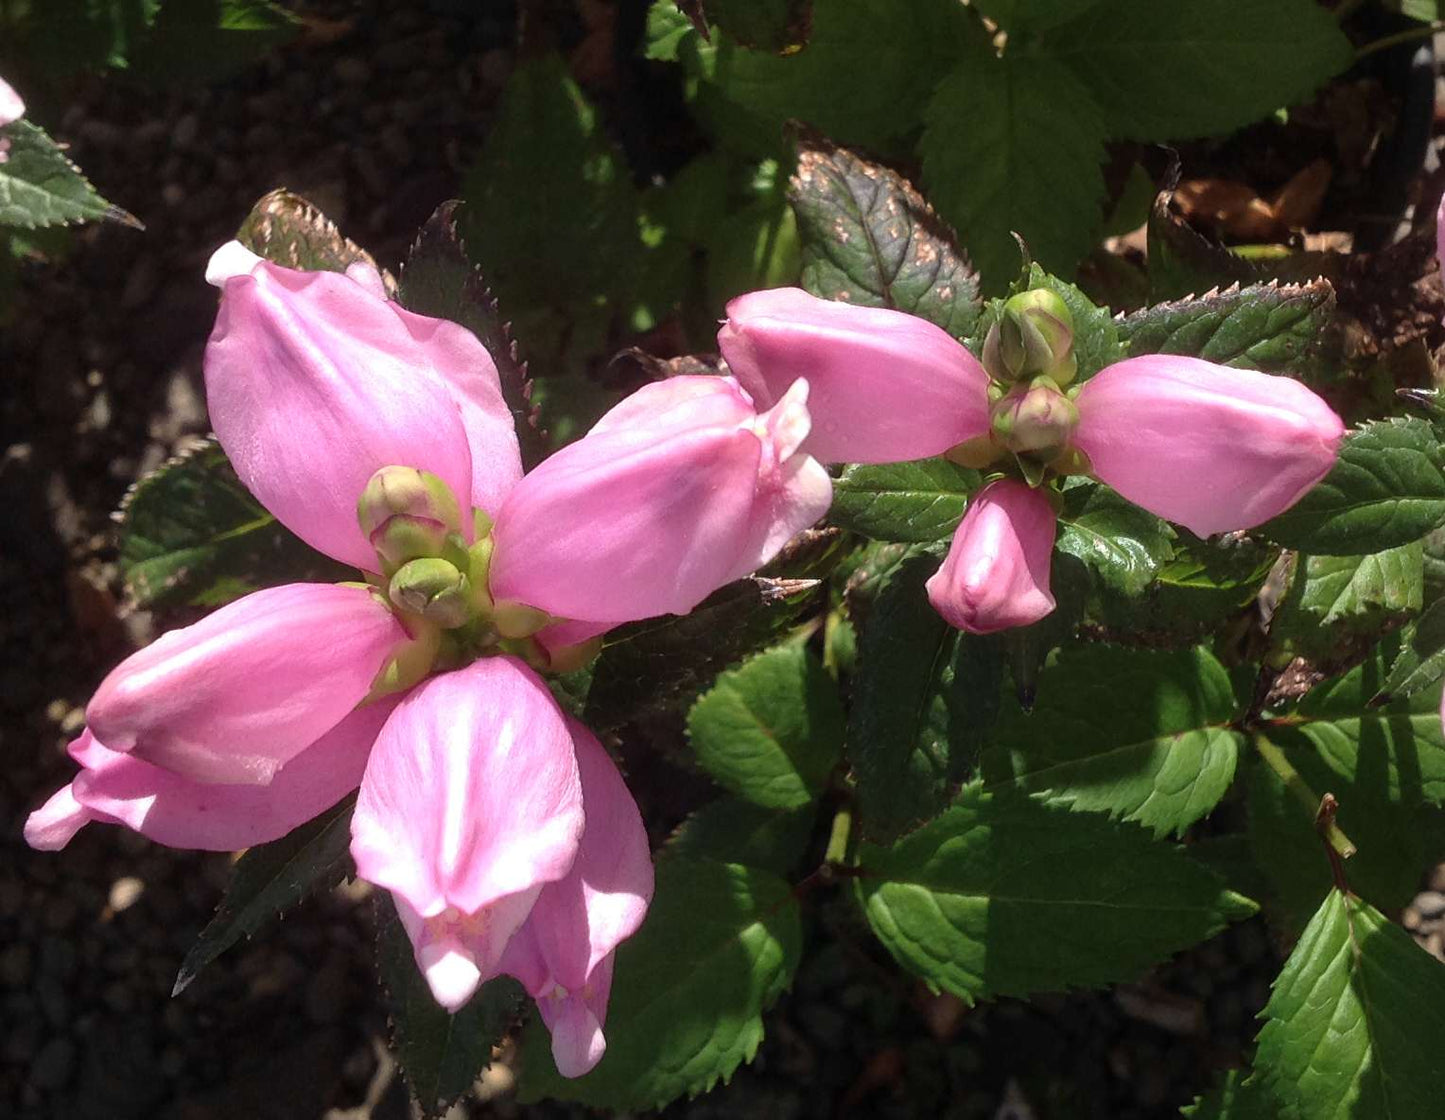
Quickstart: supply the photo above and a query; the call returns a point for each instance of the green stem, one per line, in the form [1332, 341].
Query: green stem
[838, 838]
[1409, 35]
[1313, 802]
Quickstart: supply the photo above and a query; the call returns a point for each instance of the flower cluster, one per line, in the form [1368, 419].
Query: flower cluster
[500, 826]
[1212, 448]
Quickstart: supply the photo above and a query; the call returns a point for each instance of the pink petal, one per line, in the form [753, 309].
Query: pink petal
[233, 697]
[679, 490]
[885, 387]
[996, 574]
[116, 788]
[11, 107]
[563, 955]
[1212, 448]
[470, 803]
[314, 384]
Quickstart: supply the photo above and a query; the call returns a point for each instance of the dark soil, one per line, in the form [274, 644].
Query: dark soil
[101, 368]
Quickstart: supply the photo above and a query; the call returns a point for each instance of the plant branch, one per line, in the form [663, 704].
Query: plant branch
[1409, 35]
[1320, 808]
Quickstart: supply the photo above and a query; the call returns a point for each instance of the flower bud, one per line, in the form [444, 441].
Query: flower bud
[996, 574]
[407, 513]
[1032, 337]
[434, 589]
[1038, 420]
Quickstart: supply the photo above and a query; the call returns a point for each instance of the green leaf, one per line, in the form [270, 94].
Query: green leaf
[192, 535]
[664, 662]
[780, 26]
[1232, 1099]
[1121, 543]
[270, 878]
[203, 40]
[66, 36]
[1015, 145]
[719, 945]
[920, 502]
[570, 231]
[1421, 661]
[870, 239]
[1387, 489]
[1032, 15]
[285, 228]
[923, 698]
[975, 901]
[440, 280]
[1363, 591]
[903, 49]
[1141, 735]
[1355, 1024]
[39, 186]
[441, 1053]
[730, 830]
[770, 731]
[1174, 71]
[751, 248]
[1278, 329]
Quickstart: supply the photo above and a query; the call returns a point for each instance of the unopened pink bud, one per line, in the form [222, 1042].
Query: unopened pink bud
[1212, 448]
[884, 386]
[1035, 420]
[996, 574]
[11, 107]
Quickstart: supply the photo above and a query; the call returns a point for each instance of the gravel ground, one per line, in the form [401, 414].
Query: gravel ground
[102, 373]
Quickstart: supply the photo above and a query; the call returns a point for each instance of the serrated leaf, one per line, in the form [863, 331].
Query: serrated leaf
[285, 228]
[1270, 327]
[1182, 261]
[921, 502]
[39, 186]
[1013, 145]
[719, 945]
[870, 239]
[192, 535]
[730, 830]
[1173, 71]
[1232, 1099]
[439, 279]
[665, 662]
[1360, 590]
[440, 1053]
[974, 901]
[1387, 489]
[923, 698]
[1355, 1024]
[1141, 735]
[1121, 544]
[1421, 660]
[771, 730]
[270, 878]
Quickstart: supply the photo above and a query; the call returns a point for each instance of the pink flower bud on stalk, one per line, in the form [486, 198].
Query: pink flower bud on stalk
[11, 109]
[381, 437]
[996, 574]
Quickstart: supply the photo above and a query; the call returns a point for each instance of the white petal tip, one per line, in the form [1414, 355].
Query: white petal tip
[54, 824]
[451, 974]
[229, 261]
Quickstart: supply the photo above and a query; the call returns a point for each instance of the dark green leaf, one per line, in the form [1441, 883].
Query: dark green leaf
[204, 40]
[1279, 329]
[869, 238]
[1355, 1024]
[65, 36]
[1032, 15]
[665, 662]
[285, 228]
[1122, 544]
[440, 1053]
[1387, 489]
[39, 186]
[1232, 1099]
[440, 280]
[1333, 595]
[923, 698]
[976, 901]
[270, 878]
[1014, 145]
[1421, 661]
[770, 731]
[1173, 71]
[719, 945]
[191, 535]
[922, 501]
[753, 247]
[730, 830]
[1141, 735]
[780, 26]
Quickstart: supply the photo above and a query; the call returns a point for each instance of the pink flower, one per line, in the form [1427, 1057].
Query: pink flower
[11, 107]
[996, 574]
[884, 386]
[1212, 448]
[382, 438]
